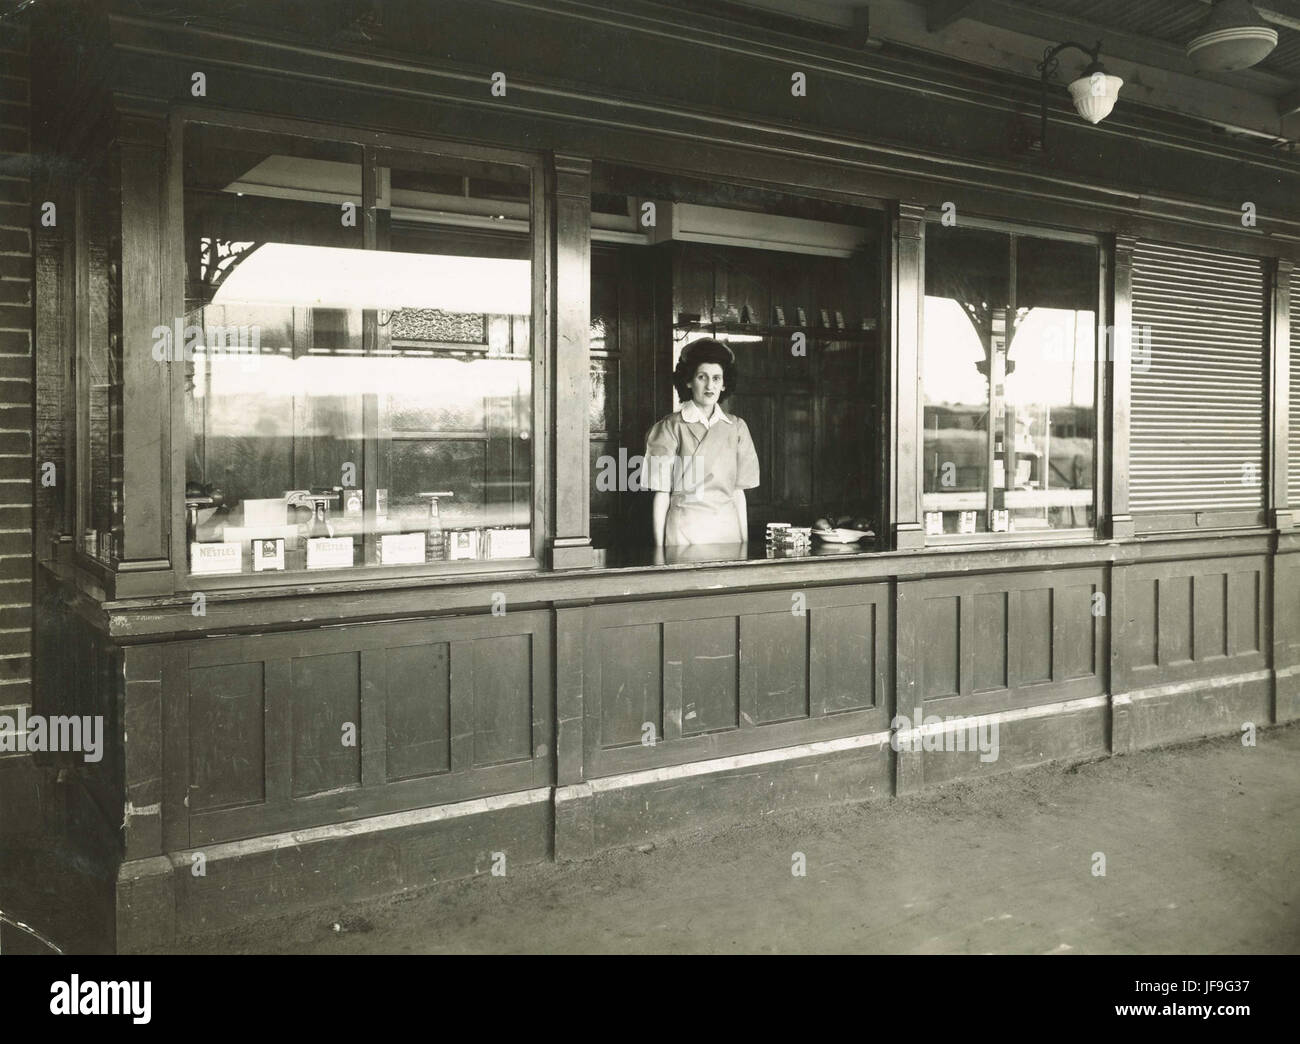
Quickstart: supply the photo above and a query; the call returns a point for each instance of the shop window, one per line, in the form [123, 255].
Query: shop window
[359, 390]
[791, 286]
[1008, 376]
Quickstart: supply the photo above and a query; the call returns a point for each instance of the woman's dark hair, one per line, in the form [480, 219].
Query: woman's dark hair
[705, 350]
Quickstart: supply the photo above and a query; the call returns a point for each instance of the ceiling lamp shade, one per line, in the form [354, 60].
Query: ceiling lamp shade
[1095, 93]
[1234, 36]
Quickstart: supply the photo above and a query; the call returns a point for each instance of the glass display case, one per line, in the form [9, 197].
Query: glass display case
[358, 356]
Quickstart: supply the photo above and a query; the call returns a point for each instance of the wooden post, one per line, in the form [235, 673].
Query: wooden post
[146, 436]
[907, 279]
[571, 544]
[1118, 352]
[1279, 392]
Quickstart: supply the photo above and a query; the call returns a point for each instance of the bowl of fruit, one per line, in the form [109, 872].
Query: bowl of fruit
[844, 529]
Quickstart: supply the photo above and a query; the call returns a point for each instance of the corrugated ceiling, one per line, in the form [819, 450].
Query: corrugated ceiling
[1174, 21]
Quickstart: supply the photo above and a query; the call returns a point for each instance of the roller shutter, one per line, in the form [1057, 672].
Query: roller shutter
[1199, 415]
[1293, 429]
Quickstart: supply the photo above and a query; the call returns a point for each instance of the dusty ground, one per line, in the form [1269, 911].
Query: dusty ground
[1202, 848]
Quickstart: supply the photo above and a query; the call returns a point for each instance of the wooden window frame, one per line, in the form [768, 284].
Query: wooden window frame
[1102, 393]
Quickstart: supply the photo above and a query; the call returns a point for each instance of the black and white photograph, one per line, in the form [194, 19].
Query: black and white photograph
[651, 477]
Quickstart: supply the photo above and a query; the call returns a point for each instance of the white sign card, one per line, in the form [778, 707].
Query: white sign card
[933, 523]
[966, 523]
[401, 549]
[268, 554]
[207, 559]
[509, 543]
[329, 552]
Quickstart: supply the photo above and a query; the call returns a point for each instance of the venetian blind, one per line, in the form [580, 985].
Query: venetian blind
[1199, 407]
[1293, 431]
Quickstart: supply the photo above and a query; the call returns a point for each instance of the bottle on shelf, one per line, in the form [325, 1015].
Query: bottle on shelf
[435, 543]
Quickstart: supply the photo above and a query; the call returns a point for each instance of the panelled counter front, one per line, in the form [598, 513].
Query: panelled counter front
[352, 361]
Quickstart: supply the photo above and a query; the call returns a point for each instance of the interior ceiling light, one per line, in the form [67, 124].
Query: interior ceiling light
[1234, 36]
[1094, 91]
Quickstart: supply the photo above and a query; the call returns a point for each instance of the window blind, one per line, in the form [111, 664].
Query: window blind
[1199, 421]
[1293, 431]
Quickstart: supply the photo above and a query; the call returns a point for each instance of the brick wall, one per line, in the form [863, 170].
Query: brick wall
[16, 405]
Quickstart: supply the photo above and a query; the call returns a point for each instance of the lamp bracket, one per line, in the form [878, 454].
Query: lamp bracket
[1046, 68]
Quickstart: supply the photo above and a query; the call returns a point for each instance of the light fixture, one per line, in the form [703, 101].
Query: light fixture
[1234, 36]
[1094, 91]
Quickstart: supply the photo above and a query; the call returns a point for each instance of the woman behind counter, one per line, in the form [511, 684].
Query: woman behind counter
[699, 460]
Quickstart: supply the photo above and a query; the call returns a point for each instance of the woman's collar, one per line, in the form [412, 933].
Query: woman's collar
[692, 414]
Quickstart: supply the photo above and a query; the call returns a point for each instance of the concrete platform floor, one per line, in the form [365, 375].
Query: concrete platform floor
[1201, 845]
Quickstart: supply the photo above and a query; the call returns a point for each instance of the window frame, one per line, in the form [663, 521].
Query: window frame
[371, 144]
[1101, 389]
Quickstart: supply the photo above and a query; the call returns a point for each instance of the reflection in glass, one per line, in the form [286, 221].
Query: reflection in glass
[349, 406]
[1008, 375]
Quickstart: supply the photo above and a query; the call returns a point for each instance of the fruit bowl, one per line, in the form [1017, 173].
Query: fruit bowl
[841, 535]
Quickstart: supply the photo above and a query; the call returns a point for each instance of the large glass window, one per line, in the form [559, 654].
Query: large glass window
[1008, 377]
[358, 357]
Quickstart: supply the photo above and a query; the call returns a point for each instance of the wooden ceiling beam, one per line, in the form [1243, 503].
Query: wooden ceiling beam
[942, 13]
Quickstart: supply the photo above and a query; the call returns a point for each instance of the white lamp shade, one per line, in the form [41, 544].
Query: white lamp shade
[1095, 95]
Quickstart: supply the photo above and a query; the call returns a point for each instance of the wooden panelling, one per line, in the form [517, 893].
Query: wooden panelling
[989, 640]
[1034, 640]
[842, 676]
[1243, 613]
[631, 660]
[1174, 619]
[1210, 616]
[994, 642]
[1193, 619]
[705, 655]
[326, 708]
[942, 628]
[503, 713]
[443, 710]
[1074, 644]
[774, 676]
[227, 707]
[728, 674]
[418, 703]
[1140, 623]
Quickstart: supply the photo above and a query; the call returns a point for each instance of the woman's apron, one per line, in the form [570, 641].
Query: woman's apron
[701, 509]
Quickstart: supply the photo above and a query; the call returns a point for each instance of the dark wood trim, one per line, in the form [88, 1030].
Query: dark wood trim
[570, 546]
[310, 605]
[1279, 391]
[651, 131]
[570, 691]
[146, 435]
[907, 303]
[1198, 521]
[1117, 353]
